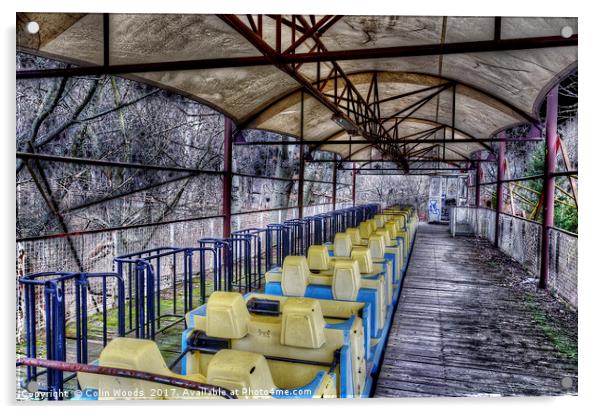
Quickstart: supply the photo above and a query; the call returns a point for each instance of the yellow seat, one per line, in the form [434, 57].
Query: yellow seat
[296, 272]
[302, 323]
[299, 333]
[318, 259]
[379, 220]
[372, 224]
[321, 264]
[245, 373]
[394, 232]
[391, 242]
[355, 235]
[342, 245]
[390, 247]
[377, 246]
[368, 269]
[385, 234]
[346, 279]
[365, 229]
[227, 315]
[294, 275]
[141, 355]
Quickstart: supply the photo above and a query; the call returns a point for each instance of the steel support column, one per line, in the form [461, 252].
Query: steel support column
[477, 191]
[353, 179]
[301, 184]
[334, 185]
[227, 181]
[501, 155]
[549, 183]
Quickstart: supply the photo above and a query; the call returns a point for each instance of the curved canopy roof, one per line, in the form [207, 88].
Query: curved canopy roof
[422, 81]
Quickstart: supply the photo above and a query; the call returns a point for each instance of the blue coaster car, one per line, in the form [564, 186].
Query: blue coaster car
[304, 341]
[383, 254]
[346, 284]
[240, 373]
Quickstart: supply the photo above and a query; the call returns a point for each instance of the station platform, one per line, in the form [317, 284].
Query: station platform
[461, 329]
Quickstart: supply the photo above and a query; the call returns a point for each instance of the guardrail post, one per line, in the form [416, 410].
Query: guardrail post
[549, 183]
[353, 179]
[334, 185]
[500, 186]
[301, 183]
[477, 191]
[227, 186]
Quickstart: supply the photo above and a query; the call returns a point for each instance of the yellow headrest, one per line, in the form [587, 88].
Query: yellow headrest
[385, 234]
[372, 224]
[317, 257]
[294, 275]
[379, 219]
[227, 315]
[248, 373]
[132, 353]
[346, 279]
[342, 245]
[390, 234]
[392, 228]
[128, 353]
[354, 233]
[365, 229]
[363, 257]
[302, 323]
[400, 221]
[377, 246]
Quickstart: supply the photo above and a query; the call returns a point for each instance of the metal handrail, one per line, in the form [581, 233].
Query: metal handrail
[128, 373]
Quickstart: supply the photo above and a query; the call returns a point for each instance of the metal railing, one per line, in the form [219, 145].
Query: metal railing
[160, 283]
[521, 239]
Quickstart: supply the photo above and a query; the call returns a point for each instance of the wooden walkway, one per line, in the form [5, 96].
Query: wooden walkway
[459, 330]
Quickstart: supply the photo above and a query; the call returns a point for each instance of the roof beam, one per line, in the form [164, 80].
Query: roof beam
[409, 160]
[317, 144]
[319, 56]
[372, 130]
[404, 95]
[308, 33]
[411, 169]
[395, 142]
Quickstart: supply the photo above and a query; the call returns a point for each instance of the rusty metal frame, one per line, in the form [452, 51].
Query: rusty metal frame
[549, 183]
[346, 104]
[128, 373]
[501, 155]
[349, 102]
[301, 183]
[227, 179]
[313, 57]
[394, 142]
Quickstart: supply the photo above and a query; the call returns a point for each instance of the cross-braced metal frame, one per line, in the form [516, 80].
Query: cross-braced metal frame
[358, 114]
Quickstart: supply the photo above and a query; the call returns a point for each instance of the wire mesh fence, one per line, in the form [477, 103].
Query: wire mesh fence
[95, 251]
[562, 275]
[520, 239]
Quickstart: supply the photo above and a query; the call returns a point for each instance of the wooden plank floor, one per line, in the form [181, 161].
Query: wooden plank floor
[460, 331]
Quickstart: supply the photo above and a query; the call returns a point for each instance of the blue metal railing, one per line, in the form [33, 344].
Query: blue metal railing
[250, 260]
[51, 287]
[146, 295]
[148, 300]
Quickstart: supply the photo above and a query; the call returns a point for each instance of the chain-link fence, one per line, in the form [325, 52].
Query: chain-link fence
[95, 252]
[520, 239]
[562, 276]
